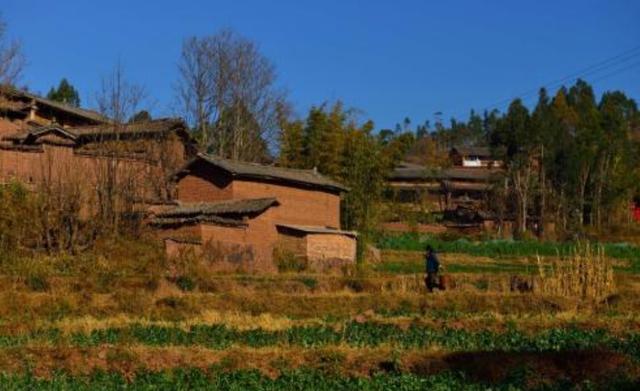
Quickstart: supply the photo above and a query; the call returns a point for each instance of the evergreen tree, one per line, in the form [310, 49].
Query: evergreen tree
[65, 93]
[141, 116]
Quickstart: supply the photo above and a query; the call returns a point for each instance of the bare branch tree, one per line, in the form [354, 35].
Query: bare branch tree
[227, 93]
[12, 60]
[119, 99]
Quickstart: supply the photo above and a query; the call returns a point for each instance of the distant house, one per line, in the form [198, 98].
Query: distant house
[473, 157]
[447, 187]
[27, 110]
[248, 211]
[142, 153]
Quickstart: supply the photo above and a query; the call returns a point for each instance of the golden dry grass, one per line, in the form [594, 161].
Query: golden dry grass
[587, 274]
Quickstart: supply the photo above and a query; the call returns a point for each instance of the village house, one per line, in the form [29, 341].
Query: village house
[459, 192]
[473, 157]
[25, 110]
[238, 215]
[44, 142]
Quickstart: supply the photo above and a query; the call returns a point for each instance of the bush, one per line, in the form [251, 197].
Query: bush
[185, 283]
[37, 283]
[309, 282]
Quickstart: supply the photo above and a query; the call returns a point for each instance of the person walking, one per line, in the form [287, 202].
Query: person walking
[432, 266]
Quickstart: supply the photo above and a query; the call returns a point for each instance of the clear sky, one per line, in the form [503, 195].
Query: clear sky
[390, 59]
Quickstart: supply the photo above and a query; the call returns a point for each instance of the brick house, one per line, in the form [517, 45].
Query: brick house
[29, 110]
[251, 210]
[35, 152]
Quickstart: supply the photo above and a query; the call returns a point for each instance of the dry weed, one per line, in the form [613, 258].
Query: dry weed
[587, 275]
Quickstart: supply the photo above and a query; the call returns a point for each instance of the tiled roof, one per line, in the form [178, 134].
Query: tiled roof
[76, 111]
[243, 206]
[317, 230]
[220, 213]
[158, 126]
[245, 170]
[415, 172]
[162, 125]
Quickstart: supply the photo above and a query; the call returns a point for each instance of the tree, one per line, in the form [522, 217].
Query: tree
[12, 60]
[116, 187]
[118, 98]
[364, 171]
[141, 116]
[291, 139]
[332, 141]
[515, 135]
[65, 93]
[225, 75]
[587, 135]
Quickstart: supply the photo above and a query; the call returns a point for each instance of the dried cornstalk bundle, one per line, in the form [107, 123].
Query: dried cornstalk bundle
[586, 274]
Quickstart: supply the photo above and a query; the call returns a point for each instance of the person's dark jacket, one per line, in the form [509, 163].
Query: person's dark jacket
[432, 263]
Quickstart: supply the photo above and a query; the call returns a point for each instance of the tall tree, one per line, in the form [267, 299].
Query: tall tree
[65, 93]
[515, 136]
[12, 59]
[363, 171]
[118, 98]
[587, 137]
[226, 75]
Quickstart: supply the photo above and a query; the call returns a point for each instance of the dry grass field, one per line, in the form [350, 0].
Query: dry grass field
[120, 321]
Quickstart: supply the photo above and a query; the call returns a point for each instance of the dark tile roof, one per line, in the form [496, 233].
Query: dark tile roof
[90, 115]
[421, 173]
[465, 186]
[220, 213]
[245, 170]
[244, 206]
[478, 174]
[317, 230]
[159, 126]
[178, 221]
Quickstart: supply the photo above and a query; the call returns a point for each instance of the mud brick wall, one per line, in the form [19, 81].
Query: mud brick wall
[204, 185]
[293, 243]
[259, 235]
[297, 206]
[330, 246]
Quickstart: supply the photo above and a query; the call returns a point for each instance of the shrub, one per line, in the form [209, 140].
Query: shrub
[185, 283]
[37, 283]
[309, 282]
[355, 284]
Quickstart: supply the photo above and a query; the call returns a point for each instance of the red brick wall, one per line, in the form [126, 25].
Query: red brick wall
[297, 206]
[204, 184]
[259, 236]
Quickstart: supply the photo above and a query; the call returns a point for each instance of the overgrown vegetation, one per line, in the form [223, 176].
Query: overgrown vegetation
[586, 274]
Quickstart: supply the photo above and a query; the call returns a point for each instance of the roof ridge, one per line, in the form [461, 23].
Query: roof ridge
[256, 164]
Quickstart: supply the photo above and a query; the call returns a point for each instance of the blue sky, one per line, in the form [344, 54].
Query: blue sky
[389, 59]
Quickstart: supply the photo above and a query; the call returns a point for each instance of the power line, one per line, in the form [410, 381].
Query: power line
[591, 70]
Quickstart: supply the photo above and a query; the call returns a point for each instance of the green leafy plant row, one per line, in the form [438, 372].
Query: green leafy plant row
[353, 334]
[500, 248]
[301, 379]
